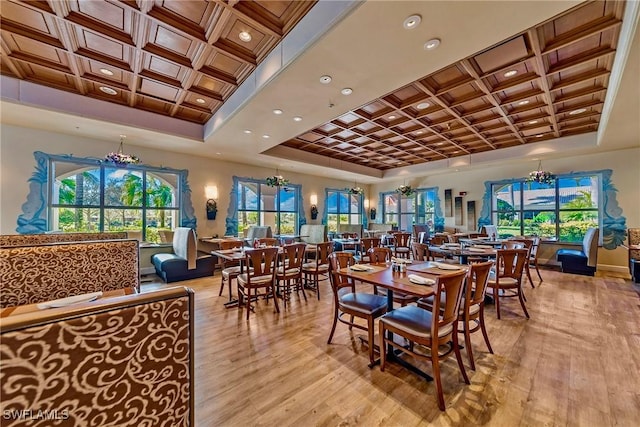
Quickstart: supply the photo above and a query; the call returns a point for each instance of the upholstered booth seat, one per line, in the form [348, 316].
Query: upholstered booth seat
[581, 261]
[184, 263]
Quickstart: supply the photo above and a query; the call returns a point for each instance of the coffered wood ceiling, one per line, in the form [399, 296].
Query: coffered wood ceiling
[550, 81]
[181, 59]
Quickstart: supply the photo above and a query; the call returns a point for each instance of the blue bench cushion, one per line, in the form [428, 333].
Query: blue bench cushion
[172, 268]
[574, 261]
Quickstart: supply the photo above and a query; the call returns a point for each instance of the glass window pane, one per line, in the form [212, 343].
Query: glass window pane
[343, 205]
[390, 203]
[332, 222]
[122, 187]
[574, 224]
[247, 196]
[80, 188]
[123, 220]
[540, 223]
[580, 192]
[161, 190]
[75, 219]
[507, 197]
[539, 195]
[288, 223]
[508, 224]
[332, 202]
[287, 199]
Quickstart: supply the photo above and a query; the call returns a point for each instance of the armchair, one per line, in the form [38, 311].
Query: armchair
[581, 261]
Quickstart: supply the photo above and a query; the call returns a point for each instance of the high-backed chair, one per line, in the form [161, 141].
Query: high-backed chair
[402, 245]
[533, 256]
[312, 234]
[431, 328]
[471, 313]
[582, 261]
[256, 232]
[491, 231]
[351, 228]
[347, 302]
[289, 270]
[268, 241]
[420, 252]
[260, 274]
[230, 269]
[184, 263]
[124, 361]
[319, 266]
[365, 245]
[528, 245]
[380, 255]
[506, 281]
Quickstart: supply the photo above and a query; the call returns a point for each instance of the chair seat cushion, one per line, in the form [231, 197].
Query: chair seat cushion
[427, 303]
[402, 249]
[504, 281]
[257, 280]
[288, 272]
[310, 267]
[574, 254]
[230, 272]
[413, 320]
[364, 303]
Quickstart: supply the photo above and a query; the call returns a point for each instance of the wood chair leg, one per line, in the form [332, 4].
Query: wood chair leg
[456, 349]
[248, 301]
[521, 298]
[484, 329]
[383, 346]
[335, 322]
[529, 275]
[467, 343]
[496, 297]
[371, 344]
[435, 363]
[275, 299]
[222, 286]
[537, 271]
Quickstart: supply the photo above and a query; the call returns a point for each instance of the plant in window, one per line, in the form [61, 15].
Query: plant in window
[119, 158]
[406, 190]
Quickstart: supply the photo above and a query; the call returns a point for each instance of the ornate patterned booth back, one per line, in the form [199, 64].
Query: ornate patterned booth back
[41, 239]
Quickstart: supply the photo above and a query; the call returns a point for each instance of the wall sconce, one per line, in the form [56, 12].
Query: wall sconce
[372, 214]
[463, 193]
[211, 192]
[314, 208]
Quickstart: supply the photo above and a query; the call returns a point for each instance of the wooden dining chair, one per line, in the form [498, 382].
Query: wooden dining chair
[420, 252]
[471, 313]
[506, 280]
[366, 244]
[348, 303]
[528, 245]
[230, 269]
[289, 270]
[401, 245]
[438, 240]
[533, 255]
[433, 328]
[268, 241]
[382, 255]
[260, 274]
[318, 267]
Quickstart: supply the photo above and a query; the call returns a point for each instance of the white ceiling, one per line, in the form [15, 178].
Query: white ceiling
[367, 50]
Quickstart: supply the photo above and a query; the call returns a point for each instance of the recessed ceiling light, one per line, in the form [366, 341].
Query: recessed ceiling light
[455, 152]
[200, 101]
[432, 44]
[346, 91]
[244, 36]
[533, 122]
[440, 143]
[247, 131]
[423, 106]
[265, 136]
[511, 73]
[578, 111]
[277, 111]
[218, 154]
[525, 102]
[412, 22]
[419, 132]
[297, 119]
[108, 90]
[391, 117]
[539, 135]
[325, 79]
[106, 72]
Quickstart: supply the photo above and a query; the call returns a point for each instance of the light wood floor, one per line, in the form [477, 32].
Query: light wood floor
[576, 362]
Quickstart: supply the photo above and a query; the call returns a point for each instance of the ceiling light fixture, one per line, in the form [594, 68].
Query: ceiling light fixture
[200, 101]
[297, 119]
[533, 122]
[525, 102]
[325, 80]
[511, 73]
[346, 91]
[106, 72]
[108, 90]
[244, 36]
[412, 22]
[265, 136]
[423, 106]
[247, 131]
[277, 111]
[419, 132]
[578, 111]
[539, 135]
[432, 44]
[392, 117]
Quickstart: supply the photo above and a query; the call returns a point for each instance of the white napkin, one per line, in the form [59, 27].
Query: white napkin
[62, 302]
[483, 246]
[400, 260]
[443, 266]
[360, 267]
[414, 278]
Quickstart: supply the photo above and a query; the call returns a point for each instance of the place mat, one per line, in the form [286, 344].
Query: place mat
[372, 269]
[477, 249]
[483, 246]
[226, 251]
[419, 280]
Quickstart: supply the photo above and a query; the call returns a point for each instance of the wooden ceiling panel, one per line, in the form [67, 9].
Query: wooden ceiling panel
[49, 76]
[34, 20]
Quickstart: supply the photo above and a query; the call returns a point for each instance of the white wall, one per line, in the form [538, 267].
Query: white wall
[626, 178]
[17, 163]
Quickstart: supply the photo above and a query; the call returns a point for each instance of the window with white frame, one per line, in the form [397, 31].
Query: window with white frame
[405, 211]
[343, 207]
[562, 210]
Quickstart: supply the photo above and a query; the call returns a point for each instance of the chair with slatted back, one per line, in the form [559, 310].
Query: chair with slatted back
[528, 245]
[260, 274]
[366, 244]
[438, 240]
[471, 313]
[507, 277]
[318, 267]
[420, 252]
[381, 255]
[230, 269]
[402, 245]
[349, 303]
[433, 328]
[267, 241]
[289, 271]
[533, 256]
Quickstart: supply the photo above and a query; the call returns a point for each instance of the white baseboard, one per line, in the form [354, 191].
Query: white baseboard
[147, 270]
[621, 269]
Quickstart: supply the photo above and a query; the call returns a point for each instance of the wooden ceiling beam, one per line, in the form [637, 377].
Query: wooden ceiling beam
[582, 32]
[579, 60]
[580, 78]
[544, 83]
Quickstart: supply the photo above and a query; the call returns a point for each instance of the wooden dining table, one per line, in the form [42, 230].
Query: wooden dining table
[384, 276]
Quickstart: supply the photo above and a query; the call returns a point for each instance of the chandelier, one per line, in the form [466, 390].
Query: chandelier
[406, 190]
[355, 190]
[541, 176]
[119, 158]
[276, 180]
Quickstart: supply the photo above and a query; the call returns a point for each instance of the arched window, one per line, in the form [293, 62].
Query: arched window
[89, 195]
